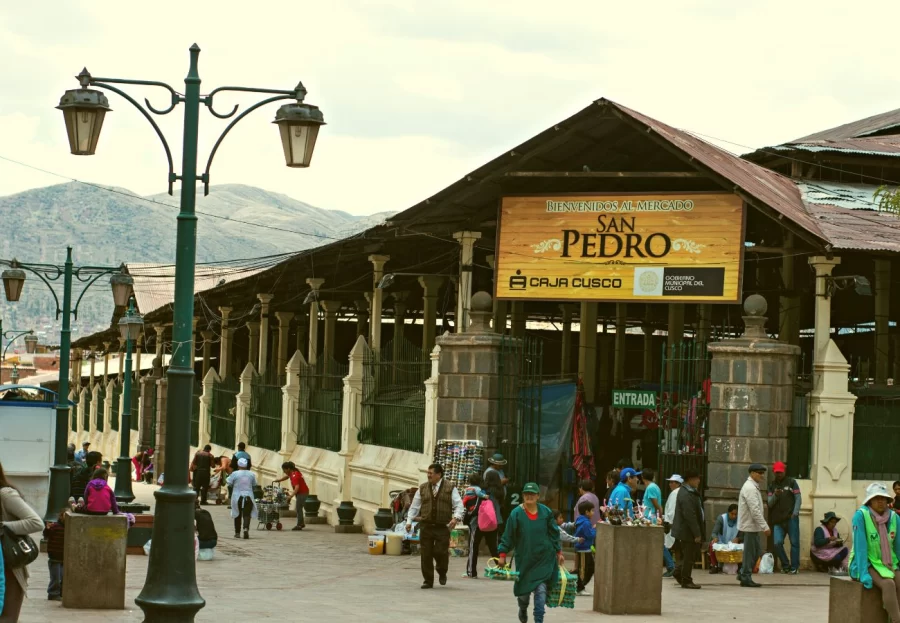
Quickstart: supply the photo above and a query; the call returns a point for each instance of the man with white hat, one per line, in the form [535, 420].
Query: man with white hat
[675, 481]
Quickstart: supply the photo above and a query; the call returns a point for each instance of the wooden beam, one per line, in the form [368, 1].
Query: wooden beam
[773, 250]
[607, 174]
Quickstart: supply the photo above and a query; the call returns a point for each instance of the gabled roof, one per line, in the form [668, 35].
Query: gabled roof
[881, 123]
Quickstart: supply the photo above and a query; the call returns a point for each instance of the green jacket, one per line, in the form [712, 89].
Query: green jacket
[536, 544]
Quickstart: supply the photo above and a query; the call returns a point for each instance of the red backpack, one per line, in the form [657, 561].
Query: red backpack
[487, 516]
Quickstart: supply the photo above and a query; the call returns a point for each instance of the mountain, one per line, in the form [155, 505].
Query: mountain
[107, 226]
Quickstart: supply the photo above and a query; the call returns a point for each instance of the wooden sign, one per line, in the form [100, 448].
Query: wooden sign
[666, 247]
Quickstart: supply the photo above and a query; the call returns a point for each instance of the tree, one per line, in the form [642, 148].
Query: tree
[888, 200]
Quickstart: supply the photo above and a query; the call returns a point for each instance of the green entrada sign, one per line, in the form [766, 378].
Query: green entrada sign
[633, 399]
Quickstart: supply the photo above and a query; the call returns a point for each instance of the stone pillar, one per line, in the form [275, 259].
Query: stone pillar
[313, 353]
[121, 374]
[207, 352]
[160, 340]
[431, 285]
[362, 316]
[106, 346]
[431, 402]
[378, 262]
[750, 406]
[587, 350]
[469, 382]
[303, 331]
[136, 370]
[519, 319]
[466, 258]
[823, 267]
[565, 356]
[224, 366]
[501, 315]
[399, 325]
[831, 409]
[93, 359]
[882, 309]
[284, 329]
[290, 404]
[209, 381]
[263, 363]
[621, 326]
[351, 422]
[242, 409]
[789, 302]
[159, 453]
[331, 309]
[675, 335]
[704, 321]
[253, 344]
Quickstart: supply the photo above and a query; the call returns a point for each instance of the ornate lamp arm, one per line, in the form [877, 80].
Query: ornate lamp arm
[90, 281]
[13, 339]
[31, 268]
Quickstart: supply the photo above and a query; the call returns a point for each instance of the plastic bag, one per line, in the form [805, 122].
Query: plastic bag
[767, 564]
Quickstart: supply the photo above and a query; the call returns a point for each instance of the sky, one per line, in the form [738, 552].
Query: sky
[418, 93]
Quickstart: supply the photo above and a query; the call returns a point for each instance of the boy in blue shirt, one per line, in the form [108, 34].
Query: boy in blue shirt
[621, 495]
[587, 534]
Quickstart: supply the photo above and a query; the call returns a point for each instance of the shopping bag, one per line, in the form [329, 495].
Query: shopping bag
[494, 570]
[767, 564]
[562, 593]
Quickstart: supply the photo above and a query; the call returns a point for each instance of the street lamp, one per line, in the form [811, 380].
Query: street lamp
[12, 336]
[130, 328]
[31, 343]
[13, 279]
[170, 592]
[14, 375]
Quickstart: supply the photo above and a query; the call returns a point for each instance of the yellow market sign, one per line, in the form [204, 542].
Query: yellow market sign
[602, 247]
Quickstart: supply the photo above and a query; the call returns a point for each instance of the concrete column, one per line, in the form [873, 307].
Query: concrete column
[284, 329]
[253, 328]
[676, 324]
[242, 409]
[263, 363]
[331, 309]
[362, 317]
[704, 321]
[160, 340]
[587, 351]
[351, 422]
[121, 374]
[378, 262]
[290, 404]
[466, 258]
[621, 325]
[431, 286]
[468, 405]
[303, 331]
[399, 321]
[882, 309]
[136, 369]
[106, 346]
[431, 403]
[519, 319]
[207, 352]
[751, 402]
[647, 328]
[313, 355]
[823, 267]
[225, 344]
[789, 302]
[93, 359]
[565, 363]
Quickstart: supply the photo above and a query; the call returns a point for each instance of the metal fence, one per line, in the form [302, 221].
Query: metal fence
[266, 396]
[682, 408]
[101, 408]
[876, 433]
[521, 389]
[195, 412]
[393, 401]
[86, 415]
[800, 434]
[321, 404]
[114, 418]
[222, 415]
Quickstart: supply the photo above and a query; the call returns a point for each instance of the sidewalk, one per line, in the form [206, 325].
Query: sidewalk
[320, 576]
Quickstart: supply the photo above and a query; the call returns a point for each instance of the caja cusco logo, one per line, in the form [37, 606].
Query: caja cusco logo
[521, 282]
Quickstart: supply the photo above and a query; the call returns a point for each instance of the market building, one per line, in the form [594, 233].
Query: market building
[605, 259]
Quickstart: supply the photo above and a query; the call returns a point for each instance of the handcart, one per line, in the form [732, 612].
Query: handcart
[269, 502]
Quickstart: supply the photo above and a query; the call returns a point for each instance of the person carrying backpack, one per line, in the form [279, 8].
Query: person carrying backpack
[483, 524]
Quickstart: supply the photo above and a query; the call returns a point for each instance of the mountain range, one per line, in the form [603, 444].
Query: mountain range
[107, 226]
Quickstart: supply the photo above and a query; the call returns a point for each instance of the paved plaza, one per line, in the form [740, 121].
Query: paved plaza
[317, 575]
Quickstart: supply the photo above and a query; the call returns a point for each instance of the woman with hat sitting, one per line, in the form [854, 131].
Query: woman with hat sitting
[876, 549]
[828, 551]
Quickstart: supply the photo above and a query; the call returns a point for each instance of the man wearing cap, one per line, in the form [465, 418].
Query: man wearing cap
[875, 558]
[531, 531]
[784, 513]
[752, 522]
[85, 448]
[621, 495]
[675, 481]
[438, 507]
[495, 480]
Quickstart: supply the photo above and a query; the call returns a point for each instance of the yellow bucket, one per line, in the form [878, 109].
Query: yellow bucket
[376, 544]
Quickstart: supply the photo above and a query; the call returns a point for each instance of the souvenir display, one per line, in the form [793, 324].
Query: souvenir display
[460, 459]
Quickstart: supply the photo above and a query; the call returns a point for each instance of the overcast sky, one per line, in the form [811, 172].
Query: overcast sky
[417, 93]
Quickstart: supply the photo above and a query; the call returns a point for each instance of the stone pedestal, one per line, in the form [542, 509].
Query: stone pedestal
[750, 407]
[95, 562]
[628, 576]
[850, 602]
[469, 382]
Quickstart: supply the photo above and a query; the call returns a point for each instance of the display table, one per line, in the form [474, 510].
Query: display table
[628, 570]
[94, 567]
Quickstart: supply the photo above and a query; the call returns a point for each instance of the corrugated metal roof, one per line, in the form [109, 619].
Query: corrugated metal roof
[154, 284]
[856, 129]
[847, 215]
[873, 146]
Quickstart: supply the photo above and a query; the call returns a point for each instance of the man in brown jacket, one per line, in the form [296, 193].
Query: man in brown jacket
[437, 507]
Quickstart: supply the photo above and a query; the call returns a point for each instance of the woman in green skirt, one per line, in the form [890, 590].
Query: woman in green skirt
[531, 532]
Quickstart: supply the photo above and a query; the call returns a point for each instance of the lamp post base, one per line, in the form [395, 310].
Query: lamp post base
[123, 489]
[58, 498]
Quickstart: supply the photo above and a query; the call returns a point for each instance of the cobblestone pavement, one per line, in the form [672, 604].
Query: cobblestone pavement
[321, 576]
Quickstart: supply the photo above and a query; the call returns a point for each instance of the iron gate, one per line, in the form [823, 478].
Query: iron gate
[223, 413]
[321, 403]
[266, 396]
[682, 410]
[521, 387]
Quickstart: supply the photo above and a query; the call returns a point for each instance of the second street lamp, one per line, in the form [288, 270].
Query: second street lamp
[170, 592]
[130, 328]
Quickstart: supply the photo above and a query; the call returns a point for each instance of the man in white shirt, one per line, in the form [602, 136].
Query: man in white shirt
[675, 481]
[437, 507]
